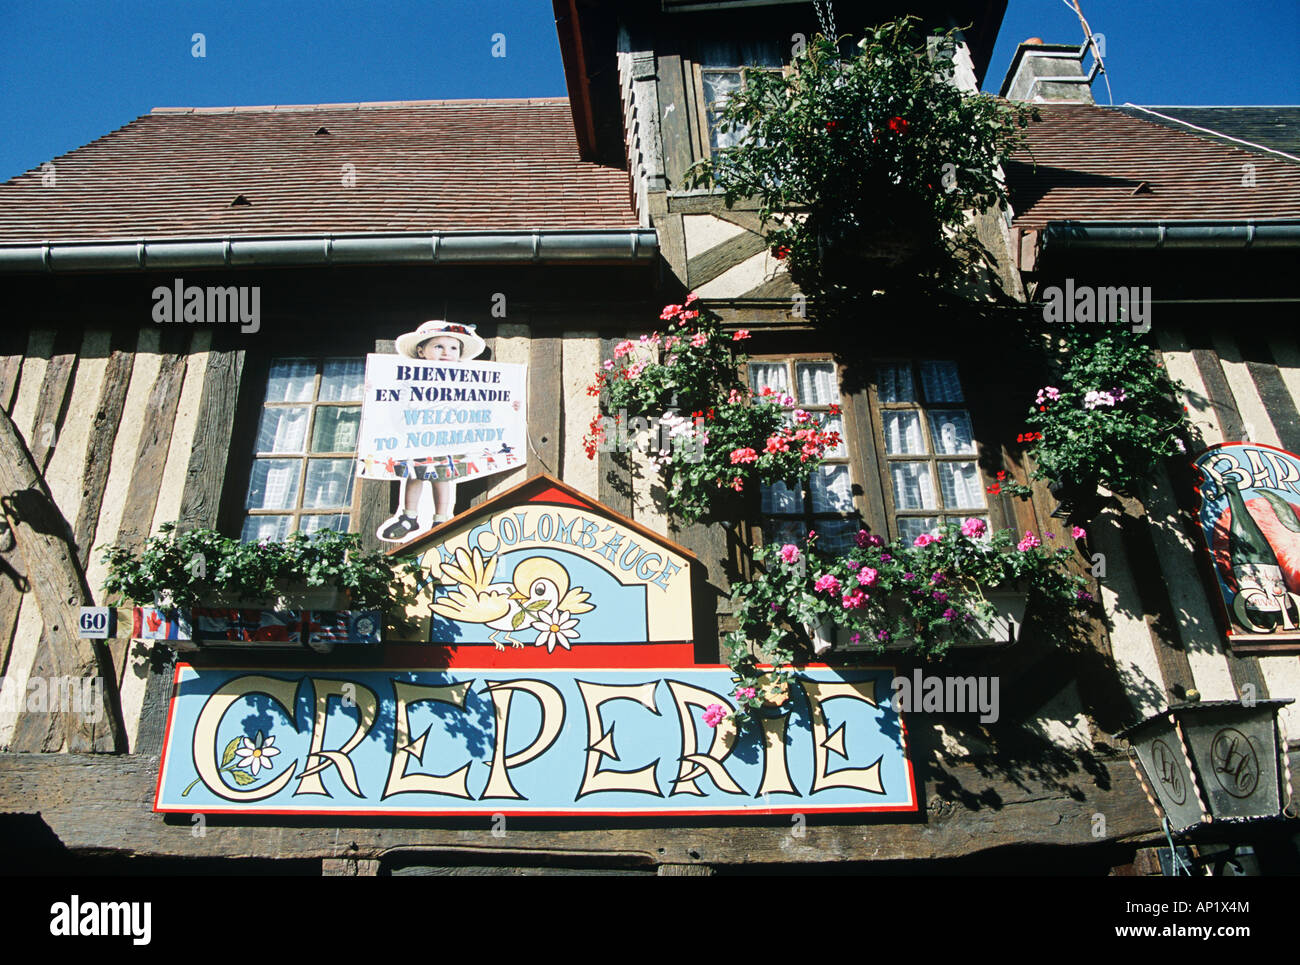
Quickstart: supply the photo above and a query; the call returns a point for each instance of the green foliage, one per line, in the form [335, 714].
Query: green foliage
[194, 567]
[930, 593]
[880, 151]
[1113, 416]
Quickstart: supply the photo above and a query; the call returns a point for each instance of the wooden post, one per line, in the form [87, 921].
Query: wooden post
[58, 584]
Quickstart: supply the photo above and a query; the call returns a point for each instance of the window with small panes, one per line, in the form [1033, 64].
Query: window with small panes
[821, 501]
[926, 443]
[304, 453]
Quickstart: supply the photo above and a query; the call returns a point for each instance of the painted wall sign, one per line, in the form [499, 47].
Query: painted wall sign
[544, 566]
[1250, 518]
[573, 742]
[441, 421]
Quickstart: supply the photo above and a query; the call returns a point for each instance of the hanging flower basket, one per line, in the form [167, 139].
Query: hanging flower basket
[865, 166]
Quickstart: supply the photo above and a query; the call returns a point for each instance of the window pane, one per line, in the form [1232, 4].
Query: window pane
[342, 380]
[329, 483]
[817, 383]
[274, 484]
[960, 482]
[913, 487]
[291, 380]
[773, 375]
[941, 382]
[831, 490]
[335, 521]
[719, 85]
[273, 528]
[781, 531]
[950, 432]
[910, 527]
[335, 429]
[894, 383]
[835, 535]
[902, 431]
[282, 429]
[778, 498]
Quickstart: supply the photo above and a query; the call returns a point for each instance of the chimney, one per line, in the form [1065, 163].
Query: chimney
[1049, 73]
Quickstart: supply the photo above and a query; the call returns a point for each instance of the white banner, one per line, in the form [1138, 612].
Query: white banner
[441, 420]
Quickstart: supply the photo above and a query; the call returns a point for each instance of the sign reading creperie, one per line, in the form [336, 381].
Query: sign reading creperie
[591, 741]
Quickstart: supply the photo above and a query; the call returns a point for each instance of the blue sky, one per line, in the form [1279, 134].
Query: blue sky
[72, 71]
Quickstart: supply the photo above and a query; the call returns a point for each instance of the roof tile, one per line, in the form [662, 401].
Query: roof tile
[418, 166]
[1084, 163]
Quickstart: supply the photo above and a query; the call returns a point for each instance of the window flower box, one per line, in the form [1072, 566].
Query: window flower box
[960, 587]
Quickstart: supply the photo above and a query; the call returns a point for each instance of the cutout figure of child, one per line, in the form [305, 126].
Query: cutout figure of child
[435, 341]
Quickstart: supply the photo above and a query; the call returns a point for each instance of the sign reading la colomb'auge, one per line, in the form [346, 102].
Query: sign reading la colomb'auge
[552, 672]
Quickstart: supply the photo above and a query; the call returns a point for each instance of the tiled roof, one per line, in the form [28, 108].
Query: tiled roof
[1086, 163]
[1271, 128]
[418, 166]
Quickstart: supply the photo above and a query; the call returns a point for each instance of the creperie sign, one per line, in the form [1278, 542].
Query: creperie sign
[543, 742]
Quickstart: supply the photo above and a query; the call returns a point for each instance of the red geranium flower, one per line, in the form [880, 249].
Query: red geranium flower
[898, 125]
[782, 251]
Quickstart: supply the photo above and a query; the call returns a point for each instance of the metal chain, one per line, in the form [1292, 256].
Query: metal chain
[826, 16]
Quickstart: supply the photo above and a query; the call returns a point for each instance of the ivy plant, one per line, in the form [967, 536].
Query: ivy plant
[194, 567]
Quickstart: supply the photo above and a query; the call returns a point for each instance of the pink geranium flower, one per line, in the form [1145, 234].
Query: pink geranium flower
[789, 553]
[827, 583]
[741, 335]
[742, 455]
[867, 576]
[1078, 532]
[1029, 542]
[744, 692]
[974, 528]
[714, 714]
[854, 600]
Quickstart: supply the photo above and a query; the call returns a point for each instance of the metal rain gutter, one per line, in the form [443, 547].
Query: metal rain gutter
[1172, 234]
[429, 247]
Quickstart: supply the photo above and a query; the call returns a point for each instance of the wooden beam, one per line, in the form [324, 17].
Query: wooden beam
[108, 419]
[206, 473]
[708, 265]
[545, 427]
[99, 804]
[151, 458]
[58, 585]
